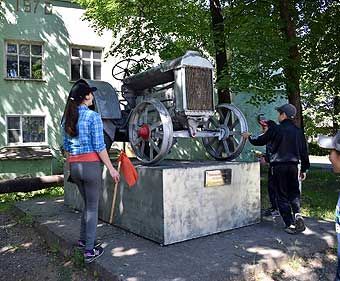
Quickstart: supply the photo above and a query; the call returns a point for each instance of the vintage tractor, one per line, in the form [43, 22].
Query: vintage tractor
[170, 101]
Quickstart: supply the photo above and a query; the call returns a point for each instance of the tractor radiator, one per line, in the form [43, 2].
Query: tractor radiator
[199, 88]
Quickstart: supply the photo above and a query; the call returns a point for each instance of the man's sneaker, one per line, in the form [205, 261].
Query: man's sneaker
[271, 212]
[299, 223]
[291, 229]
[268, 212]
[81, 243]
[275, 213]
[91, 255]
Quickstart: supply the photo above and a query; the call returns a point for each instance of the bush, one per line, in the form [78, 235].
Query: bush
[315, 150]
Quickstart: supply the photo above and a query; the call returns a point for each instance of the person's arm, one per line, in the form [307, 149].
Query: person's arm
[303, 156]
[98, 143]
[262, 139]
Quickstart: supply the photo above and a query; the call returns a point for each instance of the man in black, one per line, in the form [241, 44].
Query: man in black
[289, 147]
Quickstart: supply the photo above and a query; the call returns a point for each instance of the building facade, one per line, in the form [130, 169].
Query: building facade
[45, 46]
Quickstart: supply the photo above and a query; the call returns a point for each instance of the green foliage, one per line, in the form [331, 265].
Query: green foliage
[26, 220]
[321, 73]
[78, 258]
[314, 149]
[20, 196]
[169, 28]
[257, 51]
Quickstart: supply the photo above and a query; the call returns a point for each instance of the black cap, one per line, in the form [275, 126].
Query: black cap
[287, 108]
[80, 90]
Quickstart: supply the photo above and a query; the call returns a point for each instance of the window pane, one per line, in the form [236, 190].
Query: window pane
[97, 70]
[24, 67]
[13, 122]
[75, 70]
[76, 52]
[33, 129]
[97, 55]
[36, 68]
[24, 49]
[12, 66]
[86, 54]
[12, 48]
[87, 70]
[36, 50]
[13, 136]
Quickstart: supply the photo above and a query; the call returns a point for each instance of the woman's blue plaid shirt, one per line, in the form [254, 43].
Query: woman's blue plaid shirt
[90, 136]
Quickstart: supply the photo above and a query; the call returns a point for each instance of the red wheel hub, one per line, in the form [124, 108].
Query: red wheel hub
[144, 132]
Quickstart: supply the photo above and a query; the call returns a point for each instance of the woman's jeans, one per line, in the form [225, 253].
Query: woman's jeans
[88, 177]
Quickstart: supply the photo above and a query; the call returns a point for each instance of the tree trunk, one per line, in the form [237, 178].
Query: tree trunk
[336, 113]
[30, 184]
[220, 46]
[292, 65]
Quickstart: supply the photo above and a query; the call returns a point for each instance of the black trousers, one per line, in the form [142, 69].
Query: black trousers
[271, 189]
[286, 184]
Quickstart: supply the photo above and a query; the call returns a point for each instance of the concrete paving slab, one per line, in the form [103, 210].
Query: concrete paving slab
[225, 256]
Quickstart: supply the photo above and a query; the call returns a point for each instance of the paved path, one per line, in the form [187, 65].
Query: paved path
[229, 255]
[320, 162]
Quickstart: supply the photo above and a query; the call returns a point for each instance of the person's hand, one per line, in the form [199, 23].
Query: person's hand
[246, 135]
[114, 174]
[303, 176]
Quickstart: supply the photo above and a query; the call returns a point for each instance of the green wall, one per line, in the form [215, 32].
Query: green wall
[47, 96]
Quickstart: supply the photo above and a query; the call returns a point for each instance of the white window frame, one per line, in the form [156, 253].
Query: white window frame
[21, 143]
[81, 59]
[30, 43]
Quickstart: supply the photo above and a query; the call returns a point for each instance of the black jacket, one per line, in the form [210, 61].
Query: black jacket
[288, 142]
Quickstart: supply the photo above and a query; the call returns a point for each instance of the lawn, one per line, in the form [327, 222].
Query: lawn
[7, 198]
[319, 193]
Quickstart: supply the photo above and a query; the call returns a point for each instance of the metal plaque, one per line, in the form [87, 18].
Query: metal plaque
[217, 177]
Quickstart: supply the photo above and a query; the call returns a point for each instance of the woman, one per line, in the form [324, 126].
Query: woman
[333, 143]
[85, 149]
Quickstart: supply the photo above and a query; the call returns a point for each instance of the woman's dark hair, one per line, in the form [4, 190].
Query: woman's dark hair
[71, 116]
[77, 94]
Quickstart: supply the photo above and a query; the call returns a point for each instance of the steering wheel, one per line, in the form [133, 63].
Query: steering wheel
[125, 68]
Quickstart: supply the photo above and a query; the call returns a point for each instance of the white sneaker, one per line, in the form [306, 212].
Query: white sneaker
[299, 223]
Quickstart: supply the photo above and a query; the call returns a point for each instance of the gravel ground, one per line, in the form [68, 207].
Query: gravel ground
[25, 256]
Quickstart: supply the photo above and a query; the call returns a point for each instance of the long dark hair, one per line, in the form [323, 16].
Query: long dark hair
[71, 114]
[71, 117]
[77, 94]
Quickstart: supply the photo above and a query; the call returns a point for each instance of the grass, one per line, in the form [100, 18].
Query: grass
[319, 193]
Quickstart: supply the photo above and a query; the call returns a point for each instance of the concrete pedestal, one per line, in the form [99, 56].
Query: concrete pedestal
[172, 202]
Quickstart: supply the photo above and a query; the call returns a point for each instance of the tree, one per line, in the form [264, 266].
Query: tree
[220, 50]
[262, 47]
[321, 73]
[288, 16]
[211, 27]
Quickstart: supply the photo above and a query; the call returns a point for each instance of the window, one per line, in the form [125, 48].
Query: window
[26, 129]
[24, 60]
[85, 63]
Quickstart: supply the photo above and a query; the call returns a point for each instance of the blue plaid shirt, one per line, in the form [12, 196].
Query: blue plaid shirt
[90, 136]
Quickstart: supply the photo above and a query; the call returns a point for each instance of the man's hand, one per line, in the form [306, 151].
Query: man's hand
[246, 135]
[303, 176]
